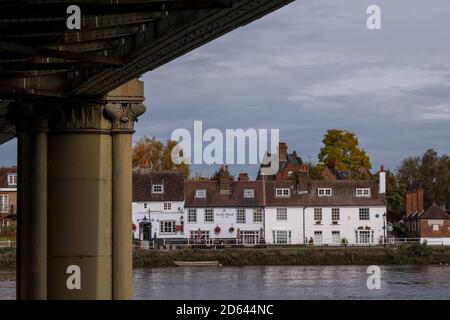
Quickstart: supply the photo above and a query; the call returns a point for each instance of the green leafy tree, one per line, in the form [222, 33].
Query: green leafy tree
[341, 146]
[315, 171]
[395, 196]
[430, 172]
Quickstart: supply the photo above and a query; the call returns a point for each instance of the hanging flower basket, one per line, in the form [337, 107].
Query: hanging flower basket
[217, 229]
[134, 227]
[178, 228]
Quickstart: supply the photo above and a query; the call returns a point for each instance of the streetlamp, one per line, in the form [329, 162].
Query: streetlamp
[384, 228]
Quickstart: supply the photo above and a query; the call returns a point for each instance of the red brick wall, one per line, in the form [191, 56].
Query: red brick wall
[284, 173]
[420, 205]
[426, 228]
[408, 203]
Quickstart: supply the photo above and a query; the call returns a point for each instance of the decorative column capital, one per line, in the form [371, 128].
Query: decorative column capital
[123, 115]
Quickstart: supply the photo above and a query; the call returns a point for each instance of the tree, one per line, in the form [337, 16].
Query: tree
[430, 172]
[341, 146]
[395, 196]
[315, 171]
[157, 156]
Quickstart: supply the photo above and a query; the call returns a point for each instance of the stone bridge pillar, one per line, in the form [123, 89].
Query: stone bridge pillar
[75, 172]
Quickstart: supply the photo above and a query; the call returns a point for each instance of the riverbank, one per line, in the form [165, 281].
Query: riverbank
[301, 256]
[400, 255]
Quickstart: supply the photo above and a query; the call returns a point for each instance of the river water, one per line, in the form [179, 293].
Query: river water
[279, 282]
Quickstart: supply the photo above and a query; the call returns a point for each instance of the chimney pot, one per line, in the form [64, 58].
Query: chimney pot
[408, 206]
[243, 176]
[282, 151]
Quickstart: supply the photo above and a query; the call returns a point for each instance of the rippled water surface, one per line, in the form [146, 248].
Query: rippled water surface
[277, 282]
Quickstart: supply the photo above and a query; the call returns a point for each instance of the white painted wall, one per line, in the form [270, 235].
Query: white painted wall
[294, 223]
[348, 223]
[436, 241]
[224, 218]
[158, 214]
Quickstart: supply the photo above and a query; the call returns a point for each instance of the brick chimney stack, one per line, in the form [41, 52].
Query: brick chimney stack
[420, 205]
[414, 201]
[408, 206]
[303, 170]
[332, 164]
[144, 167]
[282, 151]
[243, 176]
[224, 181]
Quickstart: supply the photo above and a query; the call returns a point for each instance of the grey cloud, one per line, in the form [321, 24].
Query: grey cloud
[312, 66]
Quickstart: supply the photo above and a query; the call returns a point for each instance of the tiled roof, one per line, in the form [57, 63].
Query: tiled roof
[215, 199]
[4, 171]
[302, 194]
[434, 212]
[173, 186]
[343, 193]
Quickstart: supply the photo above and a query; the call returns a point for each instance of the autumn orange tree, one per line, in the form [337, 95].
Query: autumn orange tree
[342, 147]
[157, 156]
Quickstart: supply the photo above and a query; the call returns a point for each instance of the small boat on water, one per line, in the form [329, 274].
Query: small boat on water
[197, 263]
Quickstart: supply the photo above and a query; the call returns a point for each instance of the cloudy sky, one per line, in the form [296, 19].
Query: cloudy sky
[312, 66]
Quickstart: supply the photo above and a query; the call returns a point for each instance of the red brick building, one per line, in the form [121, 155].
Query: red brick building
[289, 167]
[8, 197]
[431, 225]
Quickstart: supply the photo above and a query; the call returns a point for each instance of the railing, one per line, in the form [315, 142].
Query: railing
[233, 243]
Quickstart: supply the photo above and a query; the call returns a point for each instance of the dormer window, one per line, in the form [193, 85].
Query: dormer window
[158, 188]
[363, 192]
[324, 192]
[249, 193]
[12, 179]
[200, 193]
[282, 192]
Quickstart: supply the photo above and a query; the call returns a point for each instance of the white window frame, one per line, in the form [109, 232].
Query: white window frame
[155, 188]
[165, 225]
[249, 193]
[192, 216]
[318, 235]
[145, 205]
[204, 234]
[249, 237]
[279, 236]
[318, 214]
[258, 215]
[241, 216]
[282, 192]
[12, 179]
[363, 192]
[167, 206]
[324, 192]
[335, 213]
[282, 214]
[336, 236]
[200, 193]
[4, 203]
[364, 236]
[364, 214]
[209, 213]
